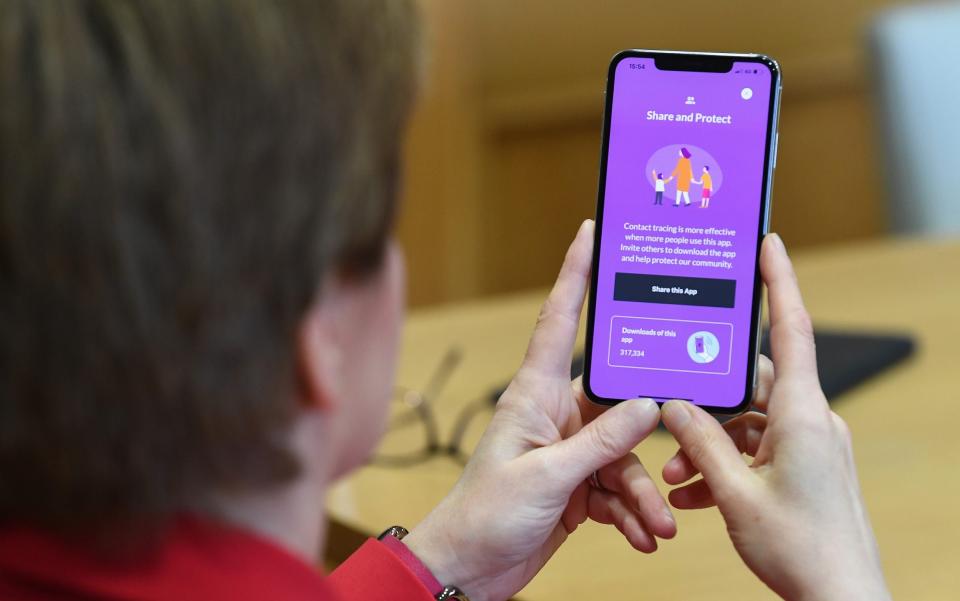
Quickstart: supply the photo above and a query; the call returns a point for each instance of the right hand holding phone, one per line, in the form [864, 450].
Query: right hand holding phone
[795, 515]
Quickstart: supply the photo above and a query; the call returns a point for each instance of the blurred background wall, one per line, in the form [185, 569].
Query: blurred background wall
[503, 152]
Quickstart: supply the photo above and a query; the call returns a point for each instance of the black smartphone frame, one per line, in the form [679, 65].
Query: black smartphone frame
[709, 62]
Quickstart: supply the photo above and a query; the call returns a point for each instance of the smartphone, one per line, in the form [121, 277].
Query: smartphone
[686, 173]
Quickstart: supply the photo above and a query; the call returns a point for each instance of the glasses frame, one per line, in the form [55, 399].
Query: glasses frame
[420, 407]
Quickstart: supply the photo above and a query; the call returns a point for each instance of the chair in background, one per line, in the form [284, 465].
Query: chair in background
[916, 54]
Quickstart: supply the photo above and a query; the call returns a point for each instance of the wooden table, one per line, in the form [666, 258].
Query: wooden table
[906, 428]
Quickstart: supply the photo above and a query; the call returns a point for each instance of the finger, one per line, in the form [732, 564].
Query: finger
[576, 511]
[707, 445]
[551, 345]
[791, 332]
[609, 508]
[765, 378]
[554, 541]
[629, 478]
[746, 432]
[678, 469]
[695, 495]
[604, 440]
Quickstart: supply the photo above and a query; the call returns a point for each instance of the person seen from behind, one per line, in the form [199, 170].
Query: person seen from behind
[200, 301]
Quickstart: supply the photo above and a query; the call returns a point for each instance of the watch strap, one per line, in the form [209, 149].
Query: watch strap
[392, 538]
[413, 563]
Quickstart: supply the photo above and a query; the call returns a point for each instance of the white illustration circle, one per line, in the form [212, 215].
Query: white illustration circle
[703, 347]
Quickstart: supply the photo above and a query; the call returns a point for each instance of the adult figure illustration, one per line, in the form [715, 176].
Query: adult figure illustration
[683, 173]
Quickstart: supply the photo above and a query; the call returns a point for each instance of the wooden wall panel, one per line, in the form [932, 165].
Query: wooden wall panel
[442, 178]
[827, 187]
[504, 150]
[542, 185]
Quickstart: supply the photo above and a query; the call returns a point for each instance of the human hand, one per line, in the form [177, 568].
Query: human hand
[795, 515]
[525, 488]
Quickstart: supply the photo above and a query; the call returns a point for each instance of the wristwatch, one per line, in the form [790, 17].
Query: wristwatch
[391, 537]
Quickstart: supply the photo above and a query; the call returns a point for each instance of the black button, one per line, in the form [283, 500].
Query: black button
[674, 290]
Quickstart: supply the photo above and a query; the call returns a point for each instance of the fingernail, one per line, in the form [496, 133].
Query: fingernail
[669, 515]
[676, 412]
[646, 404]
[778, 242]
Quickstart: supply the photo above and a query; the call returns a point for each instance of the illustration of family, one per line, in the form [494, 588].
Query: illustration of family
[683, 173]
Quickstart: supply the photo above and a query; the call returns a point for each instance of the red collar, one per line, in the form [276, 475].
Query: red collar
[198, 560]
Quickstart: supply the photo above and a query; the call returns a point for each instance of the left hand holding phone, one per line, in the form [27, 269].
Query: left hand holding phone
[526, 487]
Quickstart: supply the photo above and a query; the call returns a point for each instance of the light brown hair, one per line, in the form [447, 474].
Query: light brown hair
[176, 177]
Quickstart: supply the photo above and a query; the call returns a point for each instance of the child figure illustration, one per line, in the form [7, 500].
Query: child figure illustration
[683, 172]
[660, 186]
[707, 182]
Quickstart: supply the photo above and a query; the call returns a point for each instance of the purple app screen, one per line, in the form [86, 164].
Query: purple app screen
[681, 212]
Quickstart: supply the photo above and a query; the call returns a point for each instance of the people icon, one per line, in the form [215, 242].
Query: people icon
[660, 186]
[683, 173]
[707, 182]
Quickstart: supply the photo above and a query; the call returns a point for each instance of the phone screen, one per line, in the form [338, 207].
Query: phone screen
[687, 159]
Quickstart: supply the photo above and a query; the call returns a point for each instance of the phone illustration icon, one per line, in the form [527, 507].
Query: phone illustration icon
[703, 347]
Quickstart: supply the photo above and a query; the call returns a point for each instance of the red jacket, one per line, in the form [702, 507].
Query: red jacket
[200, 561]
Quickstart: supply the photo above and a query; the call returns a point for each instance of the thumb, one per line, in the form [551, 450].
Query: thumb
[604, 440]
